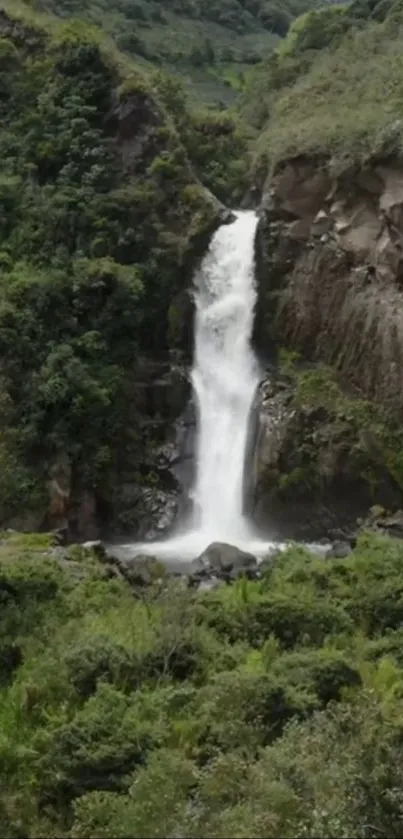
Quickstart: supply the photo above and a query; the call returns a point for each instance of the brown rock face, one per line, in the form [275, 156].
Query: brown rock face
[301, 189]
[59, 494]
[74, 512]
[330, 268]
[133, 121]
[84, 522]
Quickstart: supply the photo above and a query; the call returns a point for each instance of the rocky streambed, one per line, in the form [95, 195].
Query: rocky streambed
[222, 564]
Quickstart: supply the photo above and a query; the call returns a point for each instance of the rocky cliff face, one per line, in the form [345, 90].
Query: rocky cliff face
[330, 271]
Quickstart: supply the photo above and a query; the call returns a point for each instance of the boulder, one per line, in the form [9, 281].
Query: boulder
[139, 570]
[301, 189]
[211, 584]
[161, 508]
[394, 525]
[225, 561]
[380, 521]
[76, 570]
[142, 570]
[226, 216]
[339, 550]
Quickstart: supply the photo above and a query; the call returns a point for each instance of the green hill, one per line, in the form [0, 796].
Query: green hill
[334, 87]
[211, 44]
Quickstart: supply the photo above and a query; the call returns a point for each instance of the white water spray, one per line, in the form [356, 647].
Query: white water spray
[225, 377]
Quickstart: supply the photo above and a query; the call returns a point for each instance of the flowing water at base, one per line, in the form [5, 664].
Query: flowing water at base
[225, 377]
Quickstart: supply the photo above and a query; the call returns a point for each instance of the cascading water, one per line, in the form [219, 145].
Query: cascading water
[225, 377]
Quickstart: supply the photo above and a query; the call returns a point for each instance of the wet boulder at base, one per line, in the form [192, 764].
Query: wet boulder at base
[224, 561]
[339, 550]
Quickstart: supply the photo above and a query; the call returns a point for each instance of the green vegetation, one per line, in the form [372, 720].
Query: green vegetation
[211, 45]
[315, 96]
[101, 219]
[267, 708]
[216, 142]
[338, 433]
[270, 707]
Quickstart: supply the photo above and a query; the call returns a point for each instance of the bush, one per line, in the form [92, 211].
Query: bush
[240, 710]
[106, 701]
[346, 763]
[316, 30]
[278, 614]
[157, 802]
[102, 744]
[325, 673]
[99, 658]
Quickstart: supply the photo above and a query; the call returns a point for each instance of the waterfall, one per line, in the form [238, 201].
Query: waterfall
[225, 377]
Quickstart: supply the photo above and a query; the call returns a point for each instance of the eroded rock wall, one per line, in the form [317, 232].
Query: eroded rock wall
[330, 266]
[330, 274]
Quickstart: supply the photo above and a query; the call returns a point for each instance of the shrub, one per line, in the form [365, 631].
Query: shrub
[279, 614]
[242, 710]
[99, 658]
[323, 672]
[158, 801]
[103, 742]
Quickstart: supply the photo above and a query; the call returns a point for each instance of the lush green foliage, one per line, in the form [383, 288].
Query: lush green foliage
[215, 141]
[99, 230]
[314, 94]
[263, 709]
[362, 439]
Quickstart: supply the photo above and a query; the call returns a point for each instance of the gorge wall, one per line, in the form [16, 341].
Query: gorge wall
[329, 256]
[331, 270]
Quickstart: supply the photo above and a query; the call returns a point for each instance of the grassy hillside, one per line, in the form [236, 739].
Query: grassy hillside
[320, 93]
[263, 709]
[210, 44]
